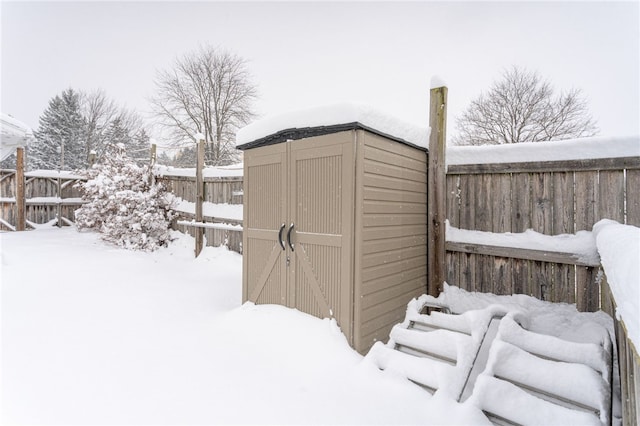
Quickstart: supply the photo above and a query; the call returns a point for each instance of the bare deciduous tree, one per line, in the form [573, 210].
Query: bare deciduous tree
[100, 114]
[522, 107]
[206, 91]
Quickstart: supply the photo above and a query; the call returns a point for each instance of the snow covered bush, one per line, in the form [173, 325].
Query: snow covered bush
[123, 206]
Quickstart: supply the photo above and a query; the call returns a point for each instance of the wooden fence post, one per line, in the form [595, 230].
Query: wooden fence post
[20, 193]
[199, 231]
[436, 189]
[152, 162]
[59, 205]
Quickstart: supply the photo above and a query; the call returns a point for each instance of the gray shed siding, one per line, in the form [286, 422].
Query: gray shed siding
[391, 253]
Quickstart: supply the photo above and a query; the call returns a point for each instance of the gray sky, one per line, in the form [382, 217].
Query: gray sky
[304, 54]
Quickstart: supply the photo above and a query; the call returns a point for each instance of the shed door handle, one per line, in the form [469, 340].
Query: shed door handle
[280, 240]
[289, 236]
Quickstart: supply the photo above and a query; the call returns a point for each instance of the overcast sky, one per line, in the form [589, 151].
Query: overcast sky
[304, 54]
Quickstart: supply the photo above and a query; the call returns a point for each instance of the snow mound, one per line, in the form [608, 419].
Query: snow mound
[619, 247]
[13, 134]
[335, 114]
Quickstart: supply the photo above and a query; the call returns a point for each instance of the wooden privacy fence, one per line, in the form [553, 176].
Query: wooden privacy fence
[550, 197]
[48, 195]
[217, 190]
[628, 360]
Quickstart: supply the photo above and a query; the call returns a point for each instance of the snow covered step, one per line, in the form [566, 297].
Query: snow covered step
[440, 344]
[595, 355]
[563, 375]
[425, 372]
[505, 403]
[440, 321]
[577, 385]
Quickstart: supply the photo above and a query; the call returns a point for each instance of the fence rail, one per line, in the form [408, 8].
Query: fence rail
[47, 197]
[217, 190]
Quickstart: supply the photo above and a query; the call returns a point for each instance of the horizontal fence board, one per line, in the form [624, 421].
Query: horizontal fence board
[519, 253]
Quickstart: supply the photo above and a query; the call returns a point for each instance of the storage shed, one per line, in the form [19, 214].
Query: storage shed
[335, 217]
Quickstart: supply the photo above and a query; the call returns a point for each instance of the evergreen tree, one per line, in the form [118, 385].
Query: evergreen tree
[83, 123]
[164, 159]
[139, 148]
[186, 157]
[59, 141]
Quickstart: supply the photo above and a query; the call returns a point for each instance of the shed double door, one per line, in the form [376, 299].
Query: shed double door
[298, 222]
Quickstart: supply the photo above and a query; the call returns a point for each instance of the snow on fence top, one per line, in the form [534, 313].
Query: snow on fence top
[582, 244]
[331, 115]
[13, 134]
[619, 248]
[573, 149]
[54, 174]
[234, 170]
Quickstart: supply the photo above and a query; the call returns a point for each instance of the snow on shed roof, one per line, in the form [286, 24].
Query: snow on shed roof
[326, 119]
[13, 134]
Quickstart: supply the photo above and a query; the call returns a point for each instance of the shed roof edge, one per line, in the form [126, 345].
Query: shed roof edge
[308, 132]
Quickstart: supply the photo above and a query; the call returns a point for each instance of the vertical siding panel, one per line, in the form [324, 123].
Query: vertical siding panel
[467, 202]
[453, 200]
[542, 206]
[521, 202]
[587, 290]
[611, 195]
[483, 202]
[466, 274]
[502, 276]
[633, 197]
[501, 202]
[564, 283]
[563, 203]
[394, 196]
[586, 192]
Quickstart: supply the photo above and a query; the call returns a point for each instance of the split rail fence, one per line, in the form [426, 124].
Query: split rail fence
[218, 190]
[48, 196]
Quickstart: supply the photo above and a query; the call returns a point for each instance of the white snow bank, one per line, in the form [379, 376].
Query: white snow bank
[233, 170]
[619, 247]
[574, 149]
[582, 244]
[13, 134]
[334, 114]
[161, 338]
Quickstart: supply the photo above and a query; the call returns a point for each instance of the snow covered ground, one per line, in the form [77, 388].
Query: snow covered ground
[93, 334]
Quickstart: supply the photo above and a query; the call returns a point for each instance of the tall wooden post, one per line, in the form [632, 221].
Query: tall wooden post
[199, 231]
[436, 208]
[59, 202]
[21, 221]
[152, 163]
